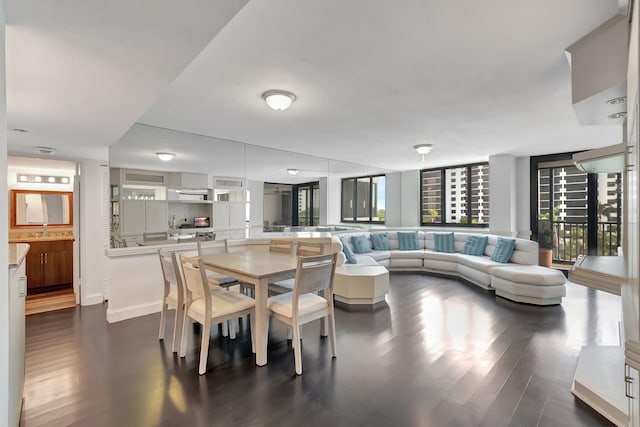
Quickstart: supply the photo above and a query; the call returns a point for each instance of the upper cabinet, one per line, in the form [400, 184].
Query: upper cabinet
[188, 180]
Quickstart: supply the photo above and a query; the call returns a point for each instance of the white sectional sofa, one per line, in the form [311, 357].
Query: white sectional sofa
[474, 269]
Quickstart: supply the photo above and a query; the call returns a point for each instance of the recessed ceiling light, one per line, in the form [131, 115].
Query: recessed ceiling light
[620, 115]
[292, 171]
[618, 100]
[165, 157]
[46, 150]
[278, 100]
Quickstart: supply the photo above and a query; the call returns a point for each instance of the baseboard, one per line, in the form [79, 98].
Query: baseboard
[93, 299]
[133, 311]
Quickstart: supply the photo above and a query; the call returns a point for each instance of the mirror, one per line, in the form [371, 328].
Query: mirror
[33, 208]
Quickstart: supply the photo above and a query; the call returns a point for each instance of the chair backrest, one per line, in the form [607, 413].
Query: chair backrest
[211, 247]
[282, 246]
[311, 248]
[154, 236]
[314, 273]
[233, 245]
[195, 280]
[171, 273]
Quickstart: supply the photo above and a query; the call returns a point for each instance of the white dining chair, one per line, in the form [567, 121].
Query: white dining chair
[209, 308]
[302, 248]
[313, 274]
[173, 296]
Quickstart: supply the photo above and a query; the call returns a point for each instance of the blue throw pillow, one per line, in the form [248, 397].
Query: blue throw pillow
[348, 253]
[504, 250]
[380, 241]
[408, 240]
[475, 245]
[360, 244]
[444, 242]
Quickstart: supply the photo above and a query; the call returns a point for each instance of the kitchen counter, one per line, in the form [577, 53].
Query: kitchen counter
[40, 239]
[17, 253]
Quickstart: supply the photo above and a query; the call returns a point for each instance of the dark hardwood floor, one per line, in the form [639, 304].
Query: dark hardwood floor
[442, 353]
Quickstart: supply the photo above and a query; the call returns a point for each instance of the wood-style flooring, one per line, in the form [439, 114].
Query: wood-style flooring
[442, 353]
[49, 301]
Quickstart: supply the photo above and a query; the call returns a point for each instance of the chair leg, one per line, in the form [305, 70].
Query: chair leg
[232, 329]
[225, 329]
[184, 336]
[324, 327]
[163, 320]
[252, 319]
[332, 333]
[296, 348]
[204, 346]
[177, 329]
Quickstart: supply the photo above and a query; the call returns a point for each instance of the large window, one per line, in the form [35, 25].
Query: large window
[573, 212]
[456, 195]
[307, 209]
[363, 199]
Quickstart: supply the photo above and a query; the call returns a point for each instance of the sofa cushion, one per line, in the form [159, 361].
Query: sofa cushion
[441, 256]
[419, 254]
[408, 240]
[531, 275]
[480, 263]
[348, 253]
[475, 245]
[360, 244]
[379, 255]
[504, 250]
[444, 242]
[380, 242]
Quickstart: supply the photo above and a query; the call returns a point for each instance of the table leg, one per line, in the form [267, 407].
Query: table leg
[262, 322]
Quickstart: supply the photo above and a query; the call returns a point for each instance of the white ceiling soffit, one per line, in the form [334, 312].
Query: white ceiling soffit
[373, 79]
[80, 72]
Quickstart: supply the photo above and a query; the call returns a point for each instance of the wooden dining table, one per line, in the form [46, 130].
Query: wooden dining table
[259, 268]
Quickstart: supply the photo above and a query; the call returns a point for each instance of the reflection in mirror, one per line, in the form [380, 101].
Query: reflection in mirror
[31, 207]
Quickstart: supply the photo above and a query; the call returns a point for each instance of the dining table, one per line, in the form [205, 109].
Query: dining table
[259, 268]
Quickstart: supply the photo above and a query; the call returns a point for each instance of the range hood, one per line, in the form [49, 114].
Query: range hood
[609, 159]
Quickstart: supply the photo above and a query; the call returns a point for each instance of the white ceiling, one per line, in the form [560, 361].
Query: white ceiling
[372, 78]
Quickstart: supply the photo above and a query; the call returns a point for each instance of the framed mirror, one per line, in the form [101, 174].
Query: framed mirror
[31, 208]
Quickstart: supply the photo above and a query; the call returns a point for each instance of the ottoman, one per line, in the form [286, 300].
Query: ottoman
[529, 284]
[360, 284]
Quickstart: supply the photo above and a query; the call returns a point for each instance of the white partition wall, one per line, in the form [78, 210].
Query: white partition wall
[502, 193]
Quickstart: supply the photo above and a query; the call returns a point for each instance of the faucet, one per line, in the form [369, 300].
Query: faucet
[44, 230]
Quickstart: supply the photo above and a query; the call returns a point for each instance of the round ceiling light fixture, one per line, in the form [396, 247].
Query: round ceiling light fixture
[278, 100]
[292, 171]
[423, 149]
[165, 157]
[620, 115]
[617, 100]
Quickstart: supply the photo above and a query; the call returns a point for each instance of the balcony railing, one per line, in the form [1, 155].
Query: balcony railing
[570, 240]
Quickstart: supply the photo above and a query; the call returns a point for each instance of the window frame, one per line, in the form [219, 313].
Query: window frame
[443, 190]
[354, 218]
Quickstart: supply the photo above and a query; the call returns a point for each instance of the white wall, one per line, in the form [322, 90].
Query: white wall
[502, 195]
[523, 199]
[324, 196]
[334, 193]
[410, 199]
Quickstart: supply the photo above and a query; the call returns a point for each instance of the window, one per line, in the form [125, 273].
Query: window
[363, 199]
[307, 209]
[455, 195]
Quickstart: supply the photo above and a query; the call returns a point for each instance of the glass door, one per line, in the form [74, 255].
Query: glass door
[307, 207]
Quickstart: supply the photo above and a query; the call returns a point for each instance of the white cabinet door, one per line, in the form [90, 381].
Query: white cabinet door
[237, 215]
[132, 217]
[220, 216]
[156, 216]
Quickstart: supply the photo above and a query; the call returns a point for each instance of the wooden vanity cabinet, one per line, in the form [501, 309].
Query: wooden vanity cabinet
[49, 263]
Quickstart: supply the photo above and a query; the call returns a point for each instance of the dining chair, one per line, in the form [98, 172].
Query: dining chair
[209, 308]
[282, 246]
[173, 298]
[303, 305]
[302, 249]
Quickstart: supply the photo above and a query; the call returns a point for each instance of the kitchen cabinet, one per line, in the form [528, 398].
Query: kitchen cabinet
[188, 180]
[229, 219]
[144, 216]
[49, 263]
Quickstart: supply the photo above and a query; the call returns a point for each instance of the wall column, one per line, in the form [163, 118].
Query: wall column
[503, 195]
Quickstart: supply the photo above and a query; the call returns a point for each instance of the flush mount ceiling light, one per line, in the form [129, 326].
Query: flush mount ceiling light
[292, 171]
[423, 149]
[278, 100]
[618, 100]
[46, 150]
[165, 157]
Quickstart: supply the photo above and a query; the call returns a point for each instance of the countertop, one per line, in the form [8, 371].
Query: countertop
[40, 239]
[17, 252]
